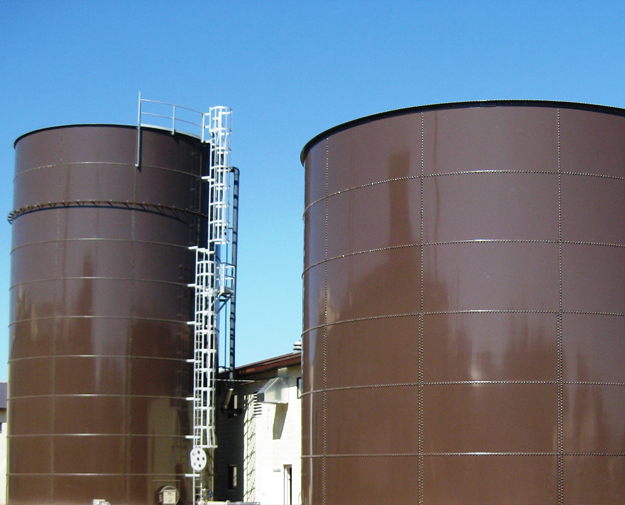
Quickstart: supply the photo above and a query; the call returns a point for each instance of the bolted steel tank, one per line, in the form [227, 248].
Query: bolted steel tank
[99, 310]
[464, 306]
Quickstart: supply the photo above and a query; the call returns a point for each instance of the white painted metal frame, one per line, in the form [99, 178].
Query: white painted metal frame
[215, 282]
[214, 285]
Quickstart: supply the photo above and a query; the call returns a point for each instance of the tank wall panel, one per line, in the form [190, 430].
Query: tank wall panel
[491, 276]
[593, 143]
[464, 307]
[599, 479]
[27, 489]
[31, 416]
[79, 182]
[364, 475]
[100, 304]
[496, 138]
[92, 370]
[358, 353]
[363, 220]
[490, 206]
[32, 338]
[39, 445]
[490, 347]
[91, 415]
[491, 480]
[593, 350]
[92, 336]
[76, 490]
[40, 375]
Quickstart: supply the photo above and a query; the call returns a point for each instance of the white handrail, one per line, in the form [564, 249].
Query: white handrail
[174, 119]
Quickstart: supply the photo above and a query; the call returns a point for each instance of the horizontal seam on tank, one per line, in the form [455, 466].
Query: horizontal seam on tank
[426, 244]
[432, 313]
[182, 437]
[467, 311]
[134, 317]
[108, 204]
[593, 313]
[461, 383]
[378, 249]
[425, 176]
[99, 239]
[598, 244]
[114, 356]
[539, 172]
[369, 184]
[183, 284]
[457, 454]
[469, 172]
[96, 474]
[464, 242]
[78, 163]
[94, 395]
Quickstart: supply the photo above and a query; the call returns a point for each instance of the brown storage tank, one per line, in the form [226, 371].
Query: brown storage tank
[464, 313]
[100, 304]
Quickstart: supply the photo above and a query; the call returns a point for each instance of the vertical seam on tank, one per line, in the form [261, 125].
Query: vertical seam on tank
[130, 335]
[420, 448]
[324, 398]
[56, 331]
[560, 357]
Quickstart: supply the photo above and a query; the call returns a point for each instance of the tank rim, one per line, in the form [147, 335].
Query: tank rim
[617, 111]
[111, 125]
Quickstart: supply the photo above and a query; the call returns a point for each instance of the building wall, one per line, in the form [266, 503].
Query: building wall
[276, 444]
[264, 442]
[3, 456]
[4, 428]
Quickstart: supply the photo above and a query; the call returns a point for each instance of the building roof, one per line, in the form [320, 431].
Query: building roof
[286, 360]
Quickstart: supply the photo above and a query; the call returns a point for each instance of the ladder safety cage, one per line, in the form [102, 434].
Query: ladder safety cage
[215, 267]
[215, 283]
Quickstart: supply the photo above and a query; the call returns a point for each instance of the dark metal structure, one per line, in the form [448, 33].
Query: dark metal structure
[464, 313]
[99, 378]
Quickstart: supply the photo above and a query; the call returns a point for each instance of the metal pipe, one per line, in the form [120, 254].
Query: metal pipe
[235, 236]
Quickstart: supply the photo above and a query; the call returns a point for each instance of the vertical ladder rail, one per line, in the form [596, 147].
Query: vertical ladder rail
[214, 288]
[215, 267]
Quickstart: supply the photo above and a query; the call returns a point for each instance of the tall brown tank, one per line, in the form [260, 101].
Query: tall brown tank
[464, 313]
[99, 312]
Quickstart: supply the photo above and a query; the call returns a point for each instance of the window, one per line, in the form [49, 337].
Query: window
[257, 407]
[232, 477]
[299, 387]
[288, 485]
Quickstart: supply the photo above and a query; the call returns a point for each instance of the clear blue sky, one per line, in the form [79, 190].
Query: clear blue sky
[289, 69]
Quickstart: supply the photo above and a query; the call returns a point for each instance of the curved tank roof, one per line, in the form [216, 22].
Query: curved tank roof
[458, 105]
[112, 125]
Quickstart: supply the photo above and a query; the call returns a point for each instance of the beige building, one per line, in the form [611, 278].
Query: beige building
[259, 433]
[3, 442]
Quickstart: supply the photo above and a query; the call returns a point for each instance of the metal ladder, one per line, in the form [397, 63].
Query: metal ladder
[214, 287]
[215, 267]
